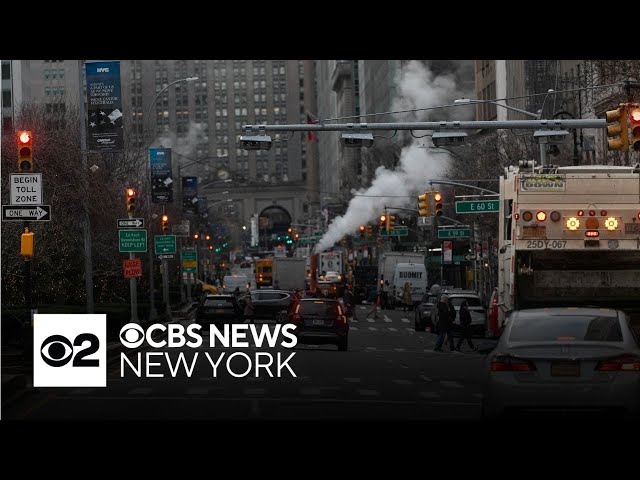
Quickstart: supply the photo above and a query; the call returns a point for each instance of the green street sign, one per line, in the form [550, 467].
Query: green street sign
[454, 233]
[189, 260]
[304, 240]
[165, 244]
[398, 231]
[133, 240]
[318, 234]
[479, 206]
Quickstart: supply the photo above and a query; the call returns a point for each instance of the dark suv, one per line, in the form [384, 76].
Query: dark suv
[320, 321]
[269, 304]
[218, 309]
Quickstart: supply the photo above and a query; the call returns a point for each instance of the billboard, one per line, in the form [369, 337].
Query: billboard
[161, 182]
[190, 194]
[105, 132]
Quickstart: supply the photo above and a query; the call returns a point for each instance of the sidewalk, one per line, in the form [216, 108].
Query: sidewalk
[17, 376]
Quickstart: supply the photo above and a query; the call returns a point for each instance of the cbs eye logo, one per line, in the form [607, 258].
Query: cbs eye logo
[66, 345]
[57, 350]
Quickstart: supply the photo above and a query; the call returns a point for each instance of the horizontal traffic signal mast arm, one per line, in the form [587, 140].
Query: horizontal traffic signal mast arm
[455, 125]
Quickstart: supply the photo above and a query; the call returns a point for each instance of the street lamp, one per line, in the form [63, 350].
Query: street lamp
[471, 101]
[188, 79]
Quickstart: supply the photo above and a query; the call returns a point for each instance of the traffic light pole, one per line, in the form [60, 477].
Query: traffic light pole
[133, 289]
[165, 279]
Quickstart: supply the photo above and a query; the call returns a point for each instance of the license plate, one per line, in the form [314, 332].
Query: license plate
[565, 369]
[318, 322]
[220, 310]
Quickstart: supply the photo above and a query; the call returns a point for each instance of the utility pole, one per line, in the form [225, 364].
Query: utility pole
[133, 290]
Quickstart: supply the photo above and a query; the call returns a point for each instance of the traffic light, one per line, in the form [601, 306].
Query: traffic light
[634, 116]
[25, 151]
[131, 201]
[207, 238]
[26, 243]
[196, 236]
[423, 204]
[391, 222]
[437, 203]
[619, 129]
[210, 247]
[369, 231]
[165, 224]
[362, 230]
[383, 221]
[289, 230]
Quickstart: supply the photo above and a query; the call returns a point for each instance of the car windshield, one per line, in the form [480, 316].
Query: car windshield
[471, 301]
[545, 327]
[318, 308]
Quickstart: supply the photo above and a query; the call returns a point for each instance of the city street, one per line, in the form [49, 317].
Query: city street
[389, 372]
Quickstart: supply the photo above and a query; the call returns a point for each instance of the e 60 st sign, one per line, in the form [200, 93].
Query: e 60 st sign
[480, 206]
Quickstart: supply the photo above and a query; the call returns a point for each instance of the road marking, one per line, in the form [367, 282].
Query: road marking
[402, 381]
[352, 379]
[140, 391]
[451, 384]
[369, 393]
[409, 329]
[391, 329]
[370, 348]
[373, 328]
[405, 320]
[387, 319]
[354, 321]
[429, 394]
[198, 391]
[370, 320]
[255, 391]
[310, 391]
[400, 349]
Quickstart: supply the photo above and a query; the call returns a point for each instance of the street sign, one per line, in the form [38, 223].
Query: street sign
[181, 228]
[425, 222]
[454, 233]
[398, 231]
[133, 240]
[189, 260]
[479, 206]
[37, 213]
[165, 244]
[26, 188]
[132, 268]
[318, 234]
[130, 222]
[303, 240]
[165, 257]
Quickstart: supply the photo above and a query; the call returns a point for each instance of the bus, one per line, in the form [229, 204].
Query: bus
[264, 272]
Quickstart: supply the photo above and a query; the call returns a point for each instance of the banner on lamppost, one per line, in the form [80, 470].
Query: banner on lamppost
[105, 132]
[161, 181]
[202, 206]
[190, 194]
[447, 251]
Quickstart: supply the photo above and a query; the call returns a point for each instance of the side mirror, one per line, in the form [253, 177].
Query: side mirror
[487, 346]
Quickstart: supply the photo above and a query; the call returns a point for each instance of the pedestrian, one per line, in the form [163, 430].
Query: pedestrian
[276, 285]
[349, 303]
[445, 324]
[406, 297]
[236, 292]
[394, 296]
[465, 324]
[376, 304]
[249, 309]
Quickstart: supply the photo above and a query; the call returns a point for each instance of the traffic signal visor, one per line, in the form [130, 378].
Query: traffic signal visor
[423, 205]
[25, 151]
[634, 116]
[619, 130]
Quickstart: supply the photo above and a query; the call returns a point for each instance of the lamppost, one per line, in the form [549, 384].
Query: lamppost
[152, 312]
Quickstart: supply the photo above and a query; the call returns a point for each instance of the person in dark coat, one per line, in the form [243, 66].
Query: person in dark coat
[465, 324]
[445, 324]
[349, 303]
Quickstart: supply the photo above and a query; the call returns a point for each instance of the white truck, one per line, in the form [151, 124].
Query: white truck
[387, 268]
[289, 272]
[330, 262]
[568, 236]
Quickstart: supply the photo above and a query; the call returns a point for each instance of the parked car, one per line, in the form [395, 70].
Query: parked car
[564, 359]
[320, 321]
[218, 309]
[477, 310]
[269, 304]
[422, 317]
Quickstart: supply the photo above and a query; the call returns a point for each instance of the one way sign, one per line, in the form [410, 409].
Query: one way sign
[130, 222]
[16, 213]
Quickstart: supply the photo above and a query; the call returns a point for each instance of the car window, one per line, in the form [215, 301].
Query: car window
[545, 327]
[217, 302]
[318, 308]
[471, 301]
[271, 296]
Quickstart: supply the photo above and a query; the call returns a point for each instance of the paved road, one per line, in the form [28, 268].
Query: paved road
[389, 372]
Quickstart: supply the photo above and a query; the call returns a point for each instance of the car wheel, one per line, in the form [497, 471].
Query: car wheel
[343, 345]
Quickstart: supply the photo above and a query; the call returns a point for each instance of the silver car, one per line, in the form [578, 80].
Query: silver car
[564, 360]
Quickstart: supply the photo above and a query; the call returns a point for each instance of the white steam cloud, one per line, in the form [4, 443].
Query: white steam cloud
[183, 145]
[417, 88]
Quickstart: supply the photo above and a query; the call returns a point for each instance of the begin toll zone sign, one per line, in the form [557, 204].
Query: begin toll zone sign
[132, 268]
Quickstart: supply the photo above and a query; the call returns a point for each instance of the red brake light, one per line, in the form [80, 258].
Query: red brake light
[623, 363]
[580, 213]
[507, 363]
[592, 233]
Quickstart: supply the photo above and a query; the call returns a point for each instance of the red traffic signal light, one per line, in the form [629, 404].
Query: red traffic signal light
[131, 201]
[634, 116]
[196, 236]
[210, 247]
[25, 151]
[208, 237]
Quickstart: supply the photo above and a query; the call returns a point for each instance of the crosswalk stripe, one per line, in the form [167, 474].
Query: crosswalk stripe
[405, 320]
[400, 349]
[391, 329]
[373, 328]
[370, 320]
[369, 393]
[387, 319]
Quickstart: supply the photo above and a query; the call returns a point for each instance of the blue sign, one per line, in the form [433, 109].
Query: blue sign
[105, 132]
[202, 205]
[190, 194]
[161, 181]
